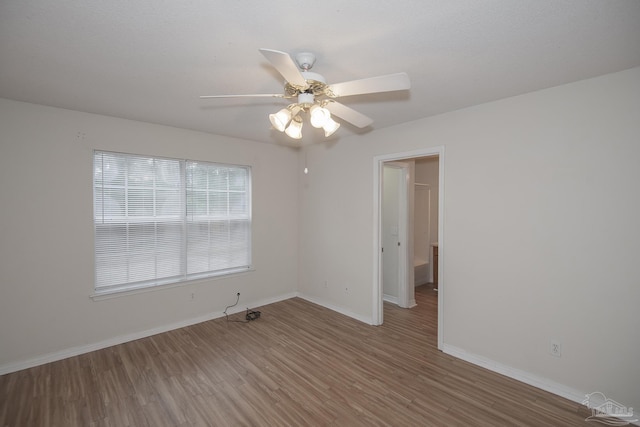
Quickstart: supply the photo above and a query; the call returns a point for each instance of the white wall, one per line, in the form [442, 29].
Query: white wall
[548, 249]
[46, 232]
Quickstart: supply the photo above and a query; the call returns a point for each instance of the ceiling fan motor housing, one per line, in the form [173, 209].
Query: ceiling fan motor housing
[306, 99]
[316, 85]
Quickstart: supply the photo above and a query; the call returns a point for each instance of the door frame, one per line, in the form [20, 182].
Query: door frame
[378, 165]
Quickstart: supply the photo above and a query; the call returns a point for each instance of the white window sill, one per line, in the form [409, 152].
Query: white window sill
[117, 293]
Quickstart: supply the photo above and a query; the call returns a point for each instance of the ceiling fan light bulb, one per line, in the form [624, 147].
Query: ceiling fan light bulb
[294, 130]
[330, 127]
[280, 119]
[319, 116]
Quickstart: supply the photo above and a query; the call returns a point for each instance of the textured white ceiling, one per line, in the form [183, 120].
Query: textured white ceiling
[149, 60]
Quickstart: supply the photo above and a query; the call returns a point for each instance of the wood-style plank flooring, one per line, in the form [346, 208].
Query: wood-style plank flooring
[298, 365]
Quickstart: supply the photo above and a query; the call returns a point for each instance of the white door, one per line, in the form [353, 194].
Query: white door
[394, 230]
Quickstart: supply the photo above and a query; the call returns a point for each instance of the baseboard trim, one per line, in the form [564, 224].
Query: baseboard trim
[76, 351]
[542, 383]
[341, 310]
[516, 374]
[390, 298]
[394, 300]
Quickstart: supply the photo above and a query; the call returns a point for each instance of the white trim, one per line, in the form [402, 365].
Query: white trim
[394, 300]
[378, 161]
[517, 374]
[110, 294]
[75, 351]
[333, 307]
[441, 218]
[390, 298]
[377, 310]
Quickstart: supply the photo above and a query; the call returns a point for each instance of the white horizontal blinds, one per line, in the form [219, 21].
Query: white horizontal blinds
[218, 217]
[139, 220]
[162, 220]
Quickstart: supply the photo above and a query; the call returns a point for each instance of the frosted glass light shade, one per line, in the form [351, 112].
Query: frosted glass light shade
[280, 119]
[319, 116]
[330, 127]
[294, 130]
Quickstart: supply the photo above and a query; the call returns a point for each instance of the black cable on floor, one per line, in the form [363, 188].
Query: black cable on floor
[229, 306]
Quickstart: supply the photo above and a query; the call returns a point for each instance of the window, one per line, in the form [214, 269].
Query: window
[160, 221]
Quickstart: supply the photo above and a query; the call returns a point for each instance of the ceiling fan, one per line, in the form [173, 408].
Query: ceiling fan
[317, 98]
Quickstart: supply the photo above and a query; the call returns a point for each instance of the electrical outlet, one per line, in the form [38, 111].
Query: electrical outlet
[555, 348]
[193, 296]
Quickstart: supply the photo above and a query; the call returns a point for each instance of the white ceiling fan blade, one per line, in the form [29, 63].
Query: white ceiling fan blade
[348, 114]
[285, 66]
[388, 83]
[253, 95]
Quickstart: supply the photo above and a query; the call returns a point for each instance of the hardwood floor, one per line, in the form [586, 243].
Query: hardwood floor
[299, 365]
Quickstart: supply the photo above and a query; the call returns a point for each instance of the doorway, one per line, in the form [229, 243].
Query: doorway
[407, 249]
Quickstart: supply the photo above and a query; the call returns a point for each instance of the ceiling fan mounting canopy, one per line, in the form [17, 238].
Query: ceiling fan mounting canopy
[305, 60]
[316, 96]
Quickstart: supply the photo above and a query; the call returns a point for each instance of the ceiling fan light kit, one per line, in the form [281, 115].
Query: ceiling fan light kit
[294, 130]
[316, 97]
[318, 116]
[281, 119]
[330, 127]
